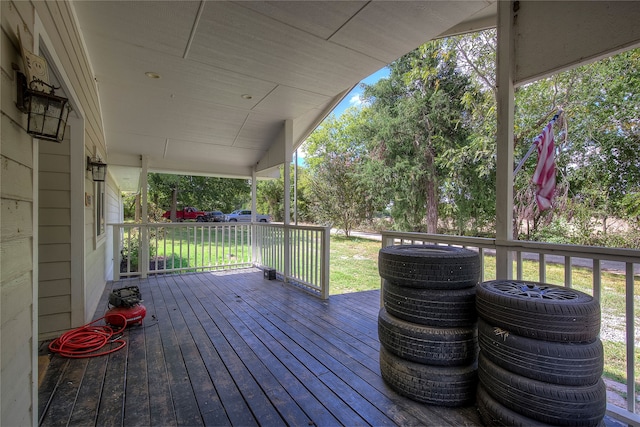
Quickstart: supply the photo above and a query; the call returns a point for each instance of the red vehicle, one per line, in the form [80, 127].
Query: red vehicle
[187, 213]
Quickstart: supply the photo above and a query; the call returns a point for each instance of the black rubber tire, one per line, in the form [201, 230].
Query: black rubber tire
[494, 414]
[575, 364]
[436, 385]
[429, 266]
[424, 344]
[554, 404]
[539, 310]
[431, 307]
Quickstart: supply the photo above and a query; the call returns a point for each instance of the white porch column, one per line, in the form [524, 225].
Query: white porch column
[288, 150]
[254, 206]
[254, 194]
[505, 108]
[143, 263]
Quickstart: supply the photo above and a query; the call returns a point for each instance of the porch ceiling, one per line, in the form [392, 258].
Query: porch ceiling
[231, 73]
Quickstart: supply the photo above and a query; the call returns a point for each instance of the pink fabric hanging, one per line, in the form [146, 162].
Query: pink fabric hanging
[545, 174]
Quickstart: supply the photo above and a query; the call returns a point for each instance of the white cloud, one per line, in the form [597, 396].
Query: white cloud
[355, 100]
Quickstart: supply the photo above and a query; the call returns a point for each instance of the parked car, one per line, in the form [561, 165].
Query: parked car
[187, 213]
[214, 216]
[242, 215]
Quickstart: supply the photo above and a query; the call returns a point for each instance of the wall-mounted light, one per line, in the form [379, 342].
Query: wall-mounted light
[97, 167]
[48, 113]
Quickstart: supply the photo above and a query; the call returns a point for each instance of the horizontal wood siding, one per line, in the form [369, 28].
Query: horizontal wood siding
[54, 196]
[16, 224]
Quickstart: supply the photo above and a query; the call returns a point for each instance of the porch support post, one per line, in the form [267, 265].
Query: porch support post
[505, 115]
[254, 206]
[144, 231]
[288, 150]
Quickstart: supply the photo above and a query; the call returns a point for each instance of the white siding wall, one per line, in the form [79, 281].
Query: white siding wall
[17, 350]
[21, 302]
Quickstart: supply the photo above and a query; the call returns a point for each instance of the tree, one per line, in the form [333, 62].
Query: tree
[343, 191]
[206, 193]
[271, 195]
[418, 115]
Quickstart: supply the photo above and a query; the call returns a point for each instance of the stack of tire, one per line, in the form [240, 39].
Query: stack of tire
[540, 359]
[427, 324]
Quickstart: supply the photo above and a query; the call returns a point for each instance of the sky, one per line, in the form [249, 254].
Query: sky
[353, 98]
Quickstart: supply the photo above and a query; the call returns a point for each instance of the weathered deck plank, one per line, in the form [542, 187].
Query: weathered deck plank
[231, 348]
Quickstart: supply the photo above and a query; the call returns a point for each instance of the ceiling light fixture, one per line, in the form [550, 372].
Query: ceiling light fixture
[152, 75]
[246, 96]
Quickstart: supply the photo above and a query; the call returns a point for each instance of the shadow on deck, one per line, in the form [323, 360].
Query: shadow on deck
[231, 348]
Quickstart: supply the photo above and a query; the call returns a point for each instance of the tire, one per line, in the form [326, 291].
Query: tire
[423, 344]
[571, 364]
[233, 220]
[548, 403]
[437, 385]
[539, 310]
[429, 266]
[494, 414]
[200, 219]
[431, 307]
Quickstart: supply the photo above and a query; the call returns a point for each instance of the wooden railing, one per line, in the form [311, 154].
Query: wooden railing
[566, 255]
[299, 254]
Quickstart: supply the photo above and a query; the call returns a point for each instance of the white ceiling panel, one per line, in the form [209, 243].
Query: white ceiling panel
[386, 30]
[231, 73]
[287, 102]
[321, 19]
[233, 37]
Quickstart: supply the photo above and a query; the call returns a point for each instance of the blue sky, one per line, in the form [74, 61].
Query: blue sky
[353, 98]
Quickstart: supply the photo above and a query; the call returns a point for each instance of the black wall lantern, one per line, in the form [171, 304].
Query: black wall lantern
[48, 113]
[98, 169]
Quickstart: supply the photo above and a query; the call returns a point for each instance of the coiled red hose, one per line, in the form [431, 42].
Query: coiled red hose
[86, 340]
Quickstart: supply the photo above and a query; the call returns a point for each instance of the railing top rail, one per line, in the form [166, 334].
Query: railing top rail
[482, 242]
[295, 227]
[178, 224]
[593, 252]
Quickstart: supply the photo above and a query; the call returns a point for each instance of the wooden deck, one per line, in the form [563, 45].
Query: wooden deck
[233, 348]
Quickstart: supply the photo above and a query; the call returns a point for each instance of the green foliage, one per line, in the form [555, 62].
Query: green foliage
[205, 193]
[418, 121]
[344, 189]
[270, 196]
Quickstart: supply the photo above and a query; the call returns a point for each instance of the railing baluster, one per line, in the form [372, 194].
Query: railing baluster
[568, 280]
[597, 280]
[519, 266]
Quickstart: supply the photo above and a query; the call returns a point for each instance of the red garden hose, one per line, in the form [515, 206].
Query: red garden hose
[86, 340]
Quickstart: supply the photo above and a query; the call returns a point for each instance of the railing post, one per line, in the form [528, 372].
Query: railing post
[116, 251]
[287, 252]
[143, 261]
[326, 250]
[253, 237]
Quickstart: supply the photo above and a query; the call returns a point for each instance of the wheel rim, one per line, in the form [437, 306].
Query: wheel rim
[534, 290]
